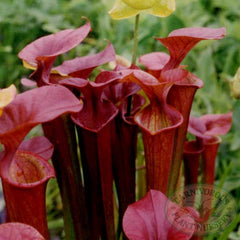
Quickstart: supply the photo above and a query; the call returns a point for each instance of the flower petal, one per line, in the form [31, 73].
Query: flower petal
[140, 4]
[162, 8]
[121, 10]
[127, 8]
[6, 96]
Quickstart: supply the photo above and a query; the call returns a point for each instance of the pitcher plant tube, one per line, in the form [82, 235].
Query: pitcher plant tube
[191, 157]
[124, 137]
[158, 122]
[207, 130]
[42, 55]
[25, 172]
[94, 131]
[181, 95]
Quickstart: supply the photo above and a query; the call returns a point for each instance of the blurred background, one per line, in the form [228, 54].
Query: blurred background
[215, 62]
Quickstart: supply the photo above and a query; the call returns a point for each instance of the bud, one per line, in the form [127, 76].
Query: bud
[235, 85]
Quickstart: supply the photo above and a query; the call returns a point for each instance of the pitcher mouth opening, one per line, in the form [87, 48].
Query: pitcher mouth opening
[27, 170]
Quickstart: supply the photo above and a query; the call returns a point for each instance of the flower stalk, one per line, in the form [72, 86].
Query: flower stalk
[135, 40]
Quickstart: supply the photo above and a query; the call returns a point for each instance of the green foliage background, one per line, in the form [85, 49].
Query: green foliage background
[215, 62]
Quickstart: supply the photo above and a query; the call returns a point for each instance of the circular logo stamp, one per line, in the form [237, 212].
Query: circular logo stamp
[200, 209]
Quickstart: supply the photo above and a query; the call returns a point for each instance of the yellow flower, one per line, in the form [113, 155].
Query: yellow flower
[127, 8]
[6, 96]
